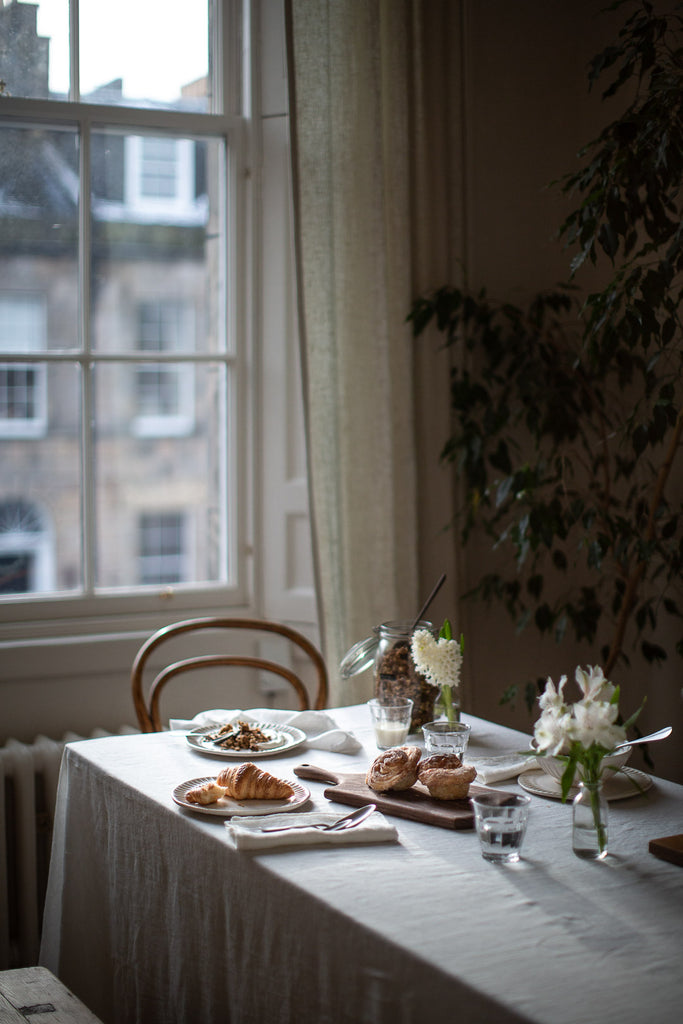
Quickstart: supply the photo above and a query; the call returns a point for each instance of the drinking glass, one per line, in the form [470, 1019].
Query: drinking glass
[501, 820]
[391, 720]
[446, 737]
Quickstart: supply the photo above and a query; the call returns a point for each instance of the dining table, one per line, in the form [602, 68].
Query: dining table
[154, 913]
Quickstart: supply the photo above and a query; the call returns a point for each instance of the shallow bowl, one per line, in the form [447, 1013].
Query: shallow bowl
[555, 767]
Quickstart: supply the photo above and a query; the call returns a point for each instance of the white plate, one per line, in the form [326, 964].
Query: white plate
[227, 807]
[618, 786]
[282, 738]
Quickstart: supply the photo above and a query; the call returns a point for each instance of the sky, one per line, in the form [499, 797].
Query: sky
[154, 45]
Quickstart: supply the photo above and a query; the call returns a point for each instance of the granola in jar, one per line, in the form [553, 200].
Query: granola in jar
[396, 675]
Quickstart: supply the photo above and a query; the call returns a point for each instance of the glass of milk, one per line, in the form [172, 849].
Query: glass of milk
[391, 720]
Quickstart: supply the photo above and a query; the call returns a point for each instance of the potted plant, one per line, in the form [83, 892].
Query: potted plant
[568, 413]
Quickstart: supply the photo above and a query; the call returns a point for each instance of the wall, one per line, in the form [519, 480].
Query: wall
[527, 111]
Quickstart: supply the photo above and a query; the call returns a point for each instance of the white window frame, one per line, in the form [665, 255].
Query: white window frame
[85, 655]
[28, 615]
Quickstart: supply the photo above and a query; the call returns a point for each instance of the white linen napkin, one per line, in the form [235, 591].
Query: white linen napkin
[246, 832]
[322, 732]
[499, 767]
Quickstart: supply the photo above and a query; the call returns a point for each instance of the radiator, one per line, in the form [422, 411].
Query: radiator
[29, 773]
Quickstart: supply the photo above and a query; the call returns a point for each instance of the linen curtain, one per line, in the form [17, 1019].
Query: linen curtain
[354, 71]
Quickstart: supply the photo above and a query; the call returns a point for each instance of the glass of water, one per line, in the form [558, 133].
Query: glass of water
[500, 820]
[446, 737]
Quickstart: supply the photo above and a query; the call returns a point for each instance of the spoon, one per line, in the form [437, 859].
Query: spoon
[437, 587]
[661, 734]
[348, 821]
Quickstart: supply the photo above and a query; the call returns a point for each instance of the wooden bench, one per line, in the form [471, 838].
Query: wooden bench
[34, 994]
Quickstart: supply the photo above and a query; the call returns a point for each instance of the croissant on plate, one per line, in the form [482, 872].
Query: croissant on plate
[249, 782]
[208, 793]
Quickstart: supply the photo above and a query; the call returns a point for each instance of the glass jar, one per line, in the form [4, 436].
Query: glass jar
[589, 821]
[388, 650]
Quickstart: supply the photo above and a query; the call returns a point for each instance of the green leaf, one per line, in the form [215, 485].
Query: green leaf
[653, 652]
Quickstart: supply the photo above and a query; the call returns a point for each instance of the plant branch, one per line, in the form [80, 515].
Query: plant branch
[636, 577]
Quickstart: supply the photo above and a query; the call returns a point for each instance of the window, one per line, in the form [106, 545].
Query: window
[162, 548]
[144, 216]
[122, 326]
[159, 168]
[23, 393]
[164, 394]
[25, 550]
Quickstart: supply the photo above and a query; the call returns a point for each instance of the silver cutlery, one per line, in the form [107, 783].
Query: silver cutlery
[661, 734]
[348, 821]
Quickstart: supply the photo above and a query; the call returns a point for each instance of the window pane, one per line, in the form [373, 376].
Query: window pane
[163, 548]
[156, 243]
[145, 52]
[38, 239]
[40, 480]
[28, 56]
[160, 485]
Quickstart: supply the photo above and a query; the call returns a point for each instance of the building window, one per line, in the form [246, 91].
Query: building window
[164, 393]
[25, 550]
[162, 548]
[159, 168]
[23, 392]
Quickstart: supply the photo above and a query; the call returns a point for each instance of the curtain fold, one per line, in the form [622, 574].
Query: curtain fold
[352, 67]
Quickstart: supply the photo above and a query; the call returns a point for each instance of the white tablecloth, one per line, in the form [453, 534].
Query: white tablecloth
[151, 916]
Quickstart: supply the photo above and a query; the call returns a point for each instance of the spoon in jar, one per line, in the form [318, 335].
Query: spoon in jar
[661, 734]
[437, 587]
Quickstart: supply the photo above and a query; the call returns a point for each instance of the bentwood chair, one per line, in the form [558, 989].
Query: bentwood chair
[147, 704]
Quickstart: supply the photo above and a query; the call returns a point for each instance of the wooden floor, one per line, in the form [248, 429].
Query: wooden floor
[34, 994]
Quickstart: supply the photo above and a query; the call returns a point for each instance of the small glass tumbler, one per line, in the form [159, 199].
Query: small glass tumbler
[501, 820]
[391, 720]
[446, 737]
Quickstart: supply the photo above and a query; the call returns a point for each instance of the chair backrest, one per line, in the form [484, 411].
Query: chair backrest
[147, 706]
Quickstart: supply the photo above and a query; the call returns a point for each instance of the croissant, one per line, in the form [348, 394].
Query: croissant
[249, 782]
[209, 793]
[395, 768]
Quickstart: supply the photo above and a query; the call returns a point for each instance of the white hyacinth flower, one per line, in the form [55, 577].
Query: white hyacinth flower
[439, 661]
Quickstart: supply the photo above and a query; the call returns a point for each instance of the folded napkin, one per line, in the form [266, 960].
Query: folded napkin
[500, 767]
[322, 732]
[246, 832]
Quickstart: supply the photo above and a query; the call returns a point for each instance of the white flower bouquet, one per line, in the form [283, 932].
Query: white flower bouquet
[583, 733]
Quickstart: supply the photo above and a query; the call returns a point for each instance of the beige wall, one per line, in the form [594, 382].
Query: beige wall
[526, 113]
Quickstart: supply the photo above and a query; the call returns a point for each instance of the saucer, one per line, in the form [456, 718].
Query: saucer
[618, 786]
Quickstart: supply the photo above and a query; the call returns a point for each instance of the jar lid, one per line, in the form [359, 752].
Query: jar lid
[362, 654]
[359, 657]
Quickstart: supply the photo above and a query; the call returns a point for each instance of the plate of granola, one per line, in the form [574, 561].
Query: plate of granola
[242, 739]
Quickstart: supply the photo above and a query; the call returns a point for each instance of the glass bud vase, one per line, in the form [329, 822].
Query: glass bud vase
[589, 822]
[447, 705]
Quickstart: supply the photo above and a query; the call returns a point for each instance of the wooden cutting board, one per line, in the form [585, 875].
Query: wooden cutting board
[415, 803]
[668, 848]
